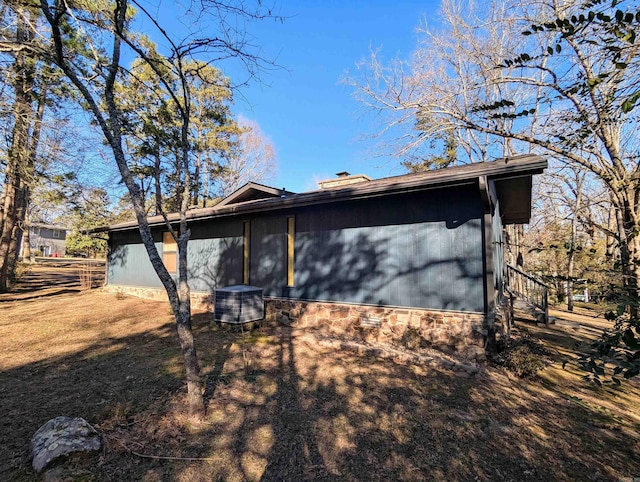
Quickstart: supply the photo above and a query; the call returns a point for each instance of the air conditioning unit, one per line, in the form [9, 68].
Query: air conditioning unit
[238, 304]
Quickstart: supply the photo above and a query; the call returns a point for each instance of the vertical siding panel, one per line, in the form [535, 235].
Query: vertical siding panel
[268, 254]
[414, 259]
[344, 269]
[449, 273]
[433, 235]
[403, 266]
[215, 263]
[421, 250]
[478, 270]
[215, 255]
[129, 263]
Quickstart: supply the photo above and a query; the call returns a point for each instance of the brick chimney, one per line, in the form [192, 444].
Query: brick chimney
[343, 178]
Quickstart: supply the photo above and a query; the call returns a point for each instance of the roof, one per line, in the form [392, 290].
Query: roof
[252, 191]
[512, 176]
[48, 226]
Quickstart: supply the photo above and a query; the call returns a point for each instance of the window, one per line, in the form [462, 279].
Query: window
[169, 252]
[246, 242]
[291, 232]
[56, 234]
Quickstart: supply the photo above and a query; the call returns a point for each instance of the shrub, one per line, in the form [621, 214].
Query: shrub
[522, 355]
[617, 351]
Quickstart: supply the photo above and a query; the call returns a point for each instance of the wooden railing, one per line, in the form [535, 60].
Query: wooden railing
[529, 289]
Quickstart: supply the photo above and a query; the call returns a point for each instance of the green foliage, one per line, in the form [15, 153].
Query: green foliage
[616, 354]
[437, 161]
[82, 245]
[609, 30]
[153, 127]
[91, 209]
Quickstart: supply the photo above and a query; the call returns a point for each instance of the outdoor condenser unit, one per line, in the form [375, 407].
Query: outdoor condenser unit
[238, 304]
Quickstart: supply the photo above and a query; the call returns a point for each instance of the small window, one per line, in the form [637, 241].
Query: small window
[169, 252]
[56, 234]
[245, 258]
[291, 232]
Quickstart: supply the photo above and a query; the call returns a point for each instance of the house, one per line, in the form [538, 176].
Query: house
[43, 240]
[371, 258]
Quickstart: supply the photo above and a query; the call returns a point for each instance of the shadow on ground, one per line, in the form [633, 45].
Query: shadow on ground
[282, 406]
[37, 281]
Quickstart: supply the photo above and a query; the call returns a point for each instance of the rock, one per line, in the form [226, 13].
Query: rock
[462, 374]
[62, 436]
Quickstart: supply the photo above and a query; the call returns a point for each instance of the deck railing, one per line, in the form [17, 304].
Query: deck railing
[529, 289]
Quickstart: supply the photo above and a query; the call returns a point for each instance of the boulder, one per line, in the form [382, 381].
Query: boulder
[60, 437]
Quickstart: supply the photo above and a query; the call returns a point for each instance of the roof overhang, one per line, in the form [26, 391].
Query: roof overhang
[511, 177]
[514, 197]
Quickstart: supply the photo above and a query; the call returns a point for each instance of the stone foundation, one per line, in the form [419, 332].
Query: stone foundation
[199, 300]
[462, 333]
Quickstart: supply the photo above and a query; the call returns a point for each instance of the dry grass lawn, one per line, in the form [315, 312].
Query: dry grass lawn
[305, 411]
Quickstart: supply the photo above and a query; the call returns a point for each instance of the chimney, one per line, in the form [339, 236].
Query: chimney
[343, 179]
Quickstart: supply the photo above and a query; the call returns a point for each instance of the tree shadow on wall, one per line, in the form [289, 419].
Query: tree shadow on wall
[215, 264]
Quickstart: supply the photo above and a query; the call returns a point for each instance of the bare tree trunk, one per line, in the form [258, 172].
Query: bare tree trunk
[573, 240]
[570, 269]
[8, 227]
[629, 245]
[3, 193]
[26, 243]
[634, 268]
[18, 151]
[612, 228]
[629, 259]
[196, 180]
[105, 109]
[158, 185]
[24, 197]
[185, 334]
[18, 230]
[205, 183]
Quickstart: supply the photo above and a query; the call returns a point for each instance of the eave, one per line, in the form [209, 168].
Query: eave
[503, 172]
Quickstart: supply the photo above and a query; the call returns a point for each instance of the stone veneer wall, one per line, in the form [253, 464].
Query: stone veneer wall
[463, 333]
[199, 301]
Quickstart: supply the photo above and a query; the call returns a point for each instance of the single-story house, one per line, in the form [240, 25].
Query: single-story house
[374, 258]
[43, 240]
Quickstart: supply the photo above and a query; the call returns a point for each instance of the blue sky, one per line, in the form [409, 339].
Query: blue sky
[309, 114]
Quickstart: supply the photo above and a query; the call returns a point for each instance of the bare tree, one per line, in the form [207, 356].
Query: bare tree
[571, 202]
[429, 97]
[89, 45]
[22, 147]
[254, 159]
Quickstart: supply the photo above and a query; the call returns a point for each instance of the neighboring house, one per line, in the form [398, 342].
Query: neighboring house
[43, 240]
[372, 258]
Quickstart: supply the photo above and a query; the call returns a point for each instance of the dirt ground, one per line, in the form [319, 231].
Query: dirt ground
[300, 410]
